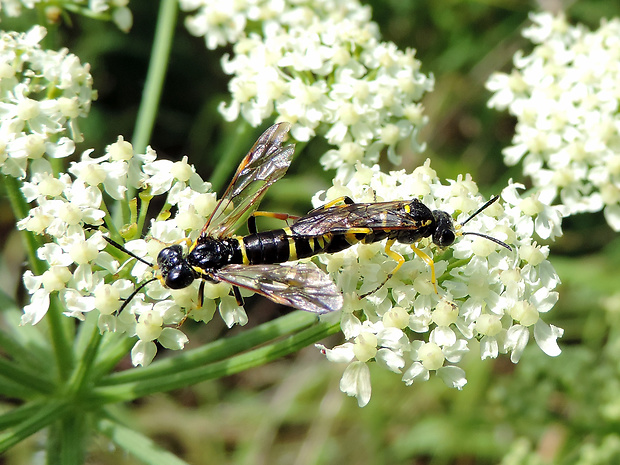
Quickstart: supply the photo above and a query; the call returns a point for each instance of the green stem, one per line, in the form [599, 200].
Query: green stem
[233, 365]
[160, 54]
[68, 440]
[27, 378]
[114, 348]
[61, 335]
[217, 350]
[10, 389]
[58, 327]
[21, 413]
[109, 222]
[85, 364]
[46, 413]
[136, 444]
[145, 201]
[20, 210]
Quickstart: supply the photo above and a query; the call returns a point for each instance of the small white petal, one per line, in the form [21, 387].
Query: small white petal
[339, 354]
[416, 372]
[143, 353]
[390, 360]
[355, 382]
[453, 376]
[546, 337]
[36, 310]
[172, 338]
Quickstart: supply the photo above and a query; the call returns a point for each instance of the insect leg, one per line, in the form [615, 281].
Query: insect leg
[279, 216]
[201, 298]
[344, 200]
[394, 256]
[429, 261]
[238, 296]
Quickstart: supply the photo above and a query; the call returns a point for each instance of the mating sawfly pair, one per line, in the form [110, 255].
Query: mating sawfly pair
[256, 261]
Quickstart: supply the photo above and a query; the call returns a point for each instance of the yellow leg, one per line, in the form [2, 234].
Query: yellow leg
[344, 200]
[279, 216]
[394, 256]
[400, 260]
[201, 294]
[429, 261]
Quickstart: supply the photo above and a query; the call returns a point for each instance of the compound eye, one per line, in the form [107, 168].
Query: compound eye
[170, 256]
[444, 238]
[444, 234]
[179, 277]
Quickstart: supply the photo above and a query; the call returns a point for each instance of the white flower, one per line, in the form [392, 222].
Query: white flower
[320, 65]
[564, 96]
[33, 125]
[485, 291]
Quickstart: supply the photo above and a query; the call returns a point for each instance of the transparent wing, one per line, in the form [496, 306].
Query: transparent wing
[265, 163]
[340, 219]
[303, 286]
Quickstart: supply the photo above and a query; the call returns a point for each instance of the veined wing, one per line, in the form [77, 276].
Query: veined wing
[303, 286]
[265, 163]
[339, 219]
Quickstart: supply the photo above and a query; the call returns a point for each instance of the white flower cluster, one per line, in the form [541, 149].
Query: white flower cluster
[42, 95]
[566, 101]
[116, 10]
[489, 297]
[86, 278]
[320, 65]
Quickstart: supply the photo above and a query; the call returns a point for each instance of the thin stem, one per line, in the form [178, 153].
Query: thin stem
[233, 365]
[27, 378]
[61, 336]
[68, 441]
[58, 327]
[46, 413]
[109, 222]
[114, 348]
[20, 208]
[85, 364]
[21, 413]
[10, 389]
[216, 350]
[160, 54]
[145, 200]
[136, 444]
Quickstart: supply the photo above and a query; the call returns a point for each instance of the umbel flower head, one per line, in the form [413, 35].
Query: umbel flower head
[322, 66]
[43, 93]
[489, 298]
[87, 275]
[565, 97]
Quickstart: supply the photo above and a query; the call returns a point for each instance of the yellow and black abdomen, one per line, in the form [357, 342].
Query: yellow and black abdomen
[266, 247]
[282, 245]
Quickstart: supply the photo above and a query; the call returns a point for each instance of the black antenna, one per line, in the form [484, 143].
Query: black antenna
[113, 243]
[128, 252]
[133, 294]
[492, 239]
[484, 207]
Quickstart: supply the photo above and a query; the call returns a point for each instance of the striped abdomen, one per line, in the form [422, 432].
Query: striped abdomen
[282, 245]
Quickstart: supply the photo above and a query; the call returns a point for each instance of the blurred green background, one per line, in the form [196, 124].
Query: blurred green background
[543, 410]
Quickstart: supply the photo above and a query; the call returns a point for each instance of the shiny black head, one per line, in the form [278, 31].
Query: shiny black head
[444, 234]
[174, 268]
